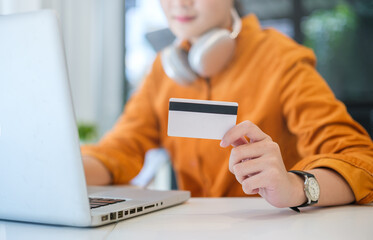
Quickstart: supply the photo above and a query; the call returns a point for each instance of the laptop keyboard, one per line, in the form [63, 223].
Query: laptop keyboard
[100, 202]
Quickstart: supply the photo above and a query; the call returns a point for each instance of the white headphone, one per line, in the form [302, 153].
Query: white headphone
[209, 54]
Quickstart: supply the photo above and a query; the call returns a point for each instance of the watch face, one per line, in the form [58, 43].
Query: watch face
[313, 189]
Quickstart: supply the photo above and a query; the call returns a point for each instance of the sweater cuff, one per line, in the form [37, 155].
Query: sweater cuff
[121, 170]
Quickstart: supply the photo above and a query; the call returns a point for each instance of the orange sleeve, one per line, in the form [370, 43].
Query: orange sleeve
[122, 149]
[327, 136]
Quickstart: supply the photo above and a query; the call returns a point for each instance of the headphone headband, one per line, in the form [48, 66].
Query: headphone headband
[208, 55]
[237, 24]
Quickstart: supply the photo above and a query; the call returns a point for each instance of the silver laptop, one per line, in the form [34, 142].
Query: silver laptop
[41, 172]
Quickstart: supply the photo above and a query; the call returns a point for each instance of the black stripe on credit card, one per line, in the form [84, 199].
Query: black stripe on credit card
[203, 108]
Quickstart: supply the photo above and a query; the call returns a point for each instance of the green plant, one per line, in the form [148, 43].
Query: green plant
[325, 30]
[87, 132]
[342, 42]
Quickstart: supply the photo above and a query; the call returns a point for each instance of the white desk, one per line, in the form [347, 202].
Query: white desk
[224, 218]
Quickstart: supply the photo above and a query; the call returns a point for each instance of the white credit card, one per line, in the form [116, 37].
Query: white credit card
[200, 118]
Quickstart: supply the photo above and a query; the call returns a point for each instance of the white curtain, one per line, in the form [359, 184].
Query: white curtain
[94, 41]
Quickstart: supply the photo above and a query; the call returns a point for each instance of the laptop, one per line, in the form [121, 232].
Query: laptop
[42, 177]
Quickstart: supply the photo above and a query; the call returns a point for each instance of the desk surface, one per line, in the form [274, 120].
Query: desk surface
[217, 218]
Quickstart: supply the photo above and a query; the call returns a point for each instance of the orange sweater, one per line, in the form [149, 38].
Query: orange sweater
[276, 86]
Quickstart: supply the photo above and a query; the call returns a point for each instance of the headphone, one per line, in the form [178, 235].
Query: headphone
[208, 55]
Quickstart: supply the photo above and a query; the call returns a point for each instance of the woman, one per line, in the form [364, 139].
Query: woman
[288, 118]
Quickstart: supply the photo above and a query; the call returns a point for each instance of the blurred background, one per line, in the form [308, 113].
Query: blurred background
[110, 45]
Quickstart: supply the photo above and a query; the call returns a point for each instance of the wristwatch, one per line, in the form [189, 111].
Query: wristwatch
[311, 189]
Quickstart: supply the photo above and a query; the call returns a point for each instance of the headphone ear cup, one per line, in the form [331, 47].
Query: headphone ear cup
[211, 52]
[175, 64]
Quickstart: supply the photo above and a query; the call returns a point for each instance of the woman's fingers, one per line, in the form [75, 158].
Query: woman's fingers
[249, 151]
[239, 142]
[252, 184]
[245, 128]
[248, 168]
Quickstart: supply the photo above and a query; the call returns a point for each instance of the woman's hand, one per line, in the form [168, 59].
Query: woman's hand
[259, 168]
[95, 172]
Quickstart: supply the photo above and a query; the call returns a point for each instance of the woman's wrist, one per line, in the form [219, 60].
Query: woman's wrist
[297, 194]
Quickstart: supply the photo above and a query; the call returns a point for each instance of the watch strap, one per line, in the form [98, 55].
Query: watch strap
[303, 205]
[307, 203]
[302, 173]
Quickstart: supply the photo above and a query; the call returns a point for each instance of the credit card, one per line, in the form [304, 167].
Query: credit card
[200, 118]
